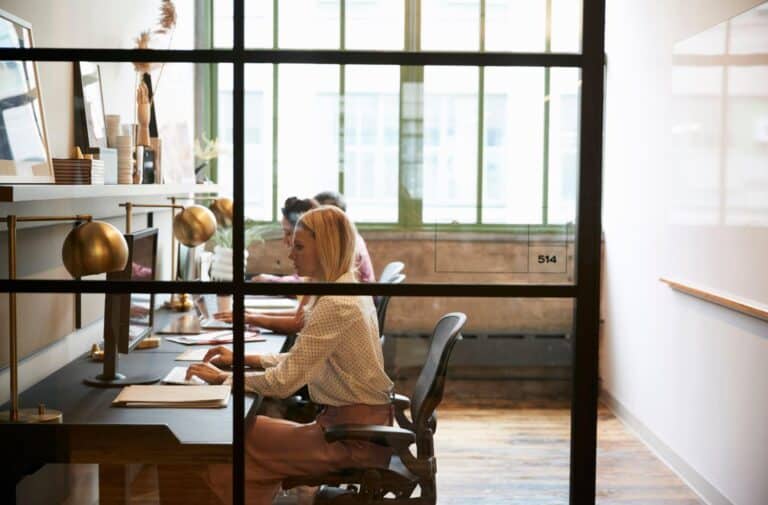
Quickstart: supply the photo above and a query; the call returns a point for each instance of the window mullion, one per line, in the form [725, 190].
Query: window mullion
[342, 92]
[480, 119]
[411, 134]
[275, 88]
[547, 100]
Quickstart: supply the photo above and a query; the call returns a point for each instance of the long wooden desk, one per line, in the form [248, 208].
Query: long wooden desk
[93, 431]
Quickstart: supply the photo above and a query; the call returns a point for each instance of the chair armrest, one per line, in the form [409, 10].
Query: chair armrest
[388, 436]
[401, 402]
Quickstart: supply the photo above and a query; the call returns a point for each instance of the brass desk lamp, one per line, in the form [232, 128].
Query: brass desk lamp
[221, 206]
[192, 226]
[93, 247]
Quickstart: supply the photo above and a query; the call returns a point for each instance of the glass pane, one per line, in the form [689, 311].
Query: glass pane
[258, 23]
[258, 138]
[566, 26]
[371, 142]
[512, 143]
[309, 24]
[506, 400]
[450, 145]
[374, 24]
[563, 144]
[308, 130]
[450, 25]
[515, 25]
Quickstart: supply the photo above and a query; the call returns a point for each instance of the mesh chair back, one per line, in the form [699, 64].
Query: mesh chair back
[381, 307]
[428, 392]
[390, 270]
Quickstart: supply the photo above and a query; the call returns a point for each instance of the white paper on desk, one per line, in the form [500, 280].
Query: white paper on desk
[214, 338]
[198, 353]
[178, 375]
[270, 303]
[173, 396]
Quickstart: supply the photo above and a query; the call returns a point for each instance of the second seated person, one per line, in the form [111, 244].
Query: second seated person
[337, 354]
[285, 323]
[293, 209]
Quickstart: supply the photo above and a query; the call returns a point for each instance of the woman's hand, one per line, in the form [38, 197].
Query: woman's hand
[219, 355]
[250, 317]
[207, 372]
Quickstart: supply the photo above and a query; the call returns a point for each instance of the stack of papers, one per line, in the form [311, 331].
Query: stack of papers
[197, 397]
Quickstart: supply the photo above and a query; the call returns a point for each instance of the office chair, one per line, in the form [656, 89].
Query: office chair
[383, 303]
[390, 270]
[396, 484]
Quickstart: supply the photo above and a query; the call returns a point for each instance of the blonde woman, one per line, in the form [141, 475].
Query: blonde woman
[337, 354]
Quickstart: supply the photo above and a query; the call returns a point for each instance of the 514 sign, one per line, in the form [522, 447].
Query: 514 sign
[547, 259]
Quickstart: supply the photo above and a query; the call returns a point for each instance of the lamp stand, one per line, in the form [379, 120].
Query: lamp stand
[16, 415]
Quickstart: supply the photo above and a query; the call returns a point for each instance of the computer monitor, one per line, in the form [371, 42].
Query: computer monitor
[128, 317]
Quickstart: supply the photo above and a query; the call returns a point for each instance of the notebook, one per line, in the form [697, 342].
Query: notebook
[173, 396]
[178, 375]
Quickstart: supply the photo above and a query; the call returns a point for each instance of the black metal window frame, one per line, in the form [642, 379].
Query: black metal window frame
[585, 291]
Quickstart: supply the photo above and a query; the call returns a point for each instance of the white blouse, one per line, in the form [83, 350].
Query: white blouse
[337, 354]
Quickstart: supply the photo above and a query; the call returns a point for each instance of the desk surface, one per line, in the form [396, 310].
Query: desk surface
[93, 431]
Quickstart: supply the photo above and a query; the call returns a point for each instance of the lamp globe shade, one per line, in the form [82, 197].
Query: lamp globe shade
[223, 209]
[94, 248]
[194, 225]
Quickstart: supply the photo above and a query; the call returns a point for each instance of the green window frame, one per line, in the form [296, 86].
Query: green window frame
[410, 208]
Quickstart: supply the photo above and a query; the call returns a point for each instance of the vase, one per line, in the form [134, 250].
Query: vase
[221, 268]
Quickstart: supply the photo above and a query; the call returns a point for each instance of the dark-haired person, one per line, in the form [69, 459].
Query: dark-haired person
[337, 354]
[285, 323]
[363, 263]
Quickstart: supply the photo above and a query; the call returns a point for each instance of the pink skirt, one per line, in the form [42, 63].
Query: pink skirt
[277, 449]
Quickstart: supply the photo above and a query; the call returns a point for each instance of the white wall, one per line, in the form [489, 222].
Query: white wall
[693, 375]
[94, 24]
[48, 343]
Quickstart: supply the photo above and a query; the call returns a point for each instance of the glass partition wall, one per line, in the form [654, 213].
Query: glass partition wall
[486, 120]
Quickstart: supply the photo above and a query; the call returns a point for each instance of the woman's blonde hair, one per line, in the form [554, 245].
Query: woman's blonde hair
[335, 236]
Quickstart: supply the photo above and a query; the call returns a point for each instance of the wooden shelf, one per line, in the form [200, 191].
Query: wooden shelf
[748, 307]
[38, 192]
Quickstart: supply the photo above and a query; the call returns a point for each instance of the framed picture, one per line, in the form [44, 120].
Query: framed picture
[90, 127]
[24, 154]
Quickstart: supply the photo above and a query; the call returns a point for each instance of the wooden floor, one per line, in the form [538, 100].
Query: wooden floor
[498, 453]
[521, 456]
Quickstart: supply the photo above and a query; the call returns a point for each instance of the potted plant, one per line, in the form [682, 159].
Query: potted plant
[221, 267]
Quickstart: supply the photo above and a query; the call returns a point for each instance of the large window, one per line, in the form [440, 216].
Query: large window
[409, 147]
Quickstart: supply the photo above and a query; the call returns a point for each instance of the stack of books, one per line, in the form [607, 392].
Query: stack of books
[78, 171]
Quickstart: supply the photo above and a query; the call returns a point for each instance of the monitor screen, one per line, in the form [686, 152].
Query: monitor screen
[142, 269]
[128, 318]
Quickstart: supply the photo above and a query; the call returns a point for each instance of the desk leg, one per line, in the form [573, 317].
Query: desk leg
[113, 485]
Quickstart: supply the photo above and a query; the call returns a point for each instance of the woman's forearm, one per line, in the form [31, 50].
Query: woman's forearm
[285, 324]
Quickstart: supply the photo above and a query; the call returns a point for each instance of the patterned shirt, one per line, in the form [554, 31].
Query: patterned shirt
[337, 354]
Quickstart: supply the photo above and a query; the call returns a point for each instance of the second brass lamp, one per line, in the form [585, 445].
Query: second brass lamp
[193, 226]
